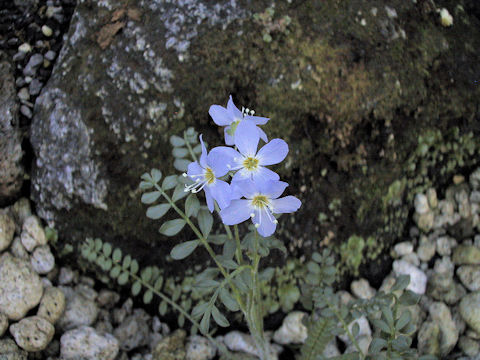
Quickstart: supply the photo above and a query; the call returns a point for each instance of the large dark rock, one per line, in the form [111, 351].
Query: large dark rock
[11, 169]
[375, 102]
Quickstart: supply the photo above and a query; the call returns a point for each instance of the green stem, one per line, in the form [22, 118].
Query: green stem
[204, 242]
[238, 250]
[189, 147]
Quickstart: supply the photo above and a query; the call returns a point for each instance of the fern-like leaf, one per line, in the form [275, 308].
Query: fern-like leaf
[320, 333]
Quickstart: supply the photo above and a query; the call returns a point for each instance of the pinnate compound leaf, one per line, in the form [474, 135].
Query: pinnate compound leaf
[157, 211]
[409, 298]
[158, 283]
[162, 308]
[377, 345]
[388, 315]
[148, 296]
[156, 175]
[176, 141]
[217, 239]
[126, 261]
[199, 310]
[134, 266]
[179, 193]
[179, 152]
[181, 164]
[123, 278]
[145, 185]
[382, 325]
[107, 249]
[219, 318]
[150, 197]
[403, 320]
[205, 222]
[181, 251]
[115, 272]
[207, 284]
[401, 283]
[192, 205]
[205, 323]
[169, 182]
[117, 255]
[172, 227]
[146, 274]
[227, 299]
[136, 287]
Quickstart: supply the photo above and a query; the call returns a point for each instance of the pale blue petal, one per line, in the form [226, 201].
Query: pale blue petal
[223, 158]
[273, 189]
[265, 221]
[246, 138]
[247, 188]
[257, 119]
[229, 139]
[263, 174]
[287, 204]
[237, 114]
[242, 175]
[273, 152]
[237, 212]
[195, 171]
[262, 134]
[221, 192]
[220, 115]
[236, 191]
[209, 198]
[203, 157]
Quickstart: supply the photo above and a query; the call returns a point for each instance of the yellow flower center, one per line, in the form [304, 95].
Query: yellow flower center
[250, 163]
[233, 127]
[209, 176]
[260, 201]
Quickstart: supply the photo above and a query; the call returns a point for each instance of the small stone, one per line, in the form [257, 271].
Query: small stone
[469, 275]
[3, 324]
[475, 179]
[33, 64]
[424, 221]
[440, 313]
[35, 87]
[418, 279]
[133, 331]
[20, 287]
[42, 259]
[447, 20]
[32, 333]
[171, 347]
[47, 31]
[200, 348]
[33, 234]
[402, 248]
[364, 327]
[21, 210]
[391, 12]
[50, 55]
[469, 309]
[466, 255]
[363, 343]
[469, 346]
[292, 331]
[52, 304]
[25, 111]
[362, 289]
[457, 179]
[18, 250]
[421, 204]
[25, 48]
[412, 259]
[67, 276]
[10, 351]
[86, 343]
[79, 311]
[7, 230]
[425, 249]
[432, 198]
[428, 338]
[107, 298]
[444, 245]
[19, 82]
[23, 94]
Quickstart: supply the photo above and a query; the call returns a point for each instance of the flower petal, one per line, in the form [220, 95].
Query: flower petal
[220, 115]
[203, 157]
[246, 138]
[209, 198]
[263, 174]
[273, 189]
[222, 158]
[287, 204]
[258, 120]
[195, 171]
[237, 212]
[262, 134]
[237, 114]
[229, 140]
[242, 175]
[265, 221]
[221, 192]
[246, 188]
[273, 152]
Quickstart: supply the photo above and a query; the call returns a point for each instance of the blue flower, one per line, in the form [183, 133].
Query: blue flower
[205, 176]
[231, 117]
[250, 163]
[260, 204]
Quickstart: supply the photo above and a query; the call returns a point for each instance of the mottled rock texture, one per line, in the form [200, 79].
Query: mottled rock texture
[377, 102]
[11, 169]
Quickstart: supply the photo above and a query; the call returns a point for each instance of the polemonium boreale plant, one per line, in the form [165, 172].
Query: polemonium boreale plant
[237, 185]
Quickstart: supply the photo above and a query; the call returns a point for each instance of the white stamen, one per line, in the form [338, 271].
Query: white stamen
[257, 225]
[252, 112]
[275, 221]
[252, 215]
[184, 174]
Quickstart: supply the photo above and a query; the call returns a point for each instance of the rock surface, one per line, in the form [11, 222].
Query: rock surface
[32, 333]
[11, 169]
[292, 330]
[20, 288]
[86, 343]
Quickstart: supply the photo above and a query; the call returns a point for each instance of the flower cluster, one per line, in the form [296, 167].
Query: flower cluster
[254, 190]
